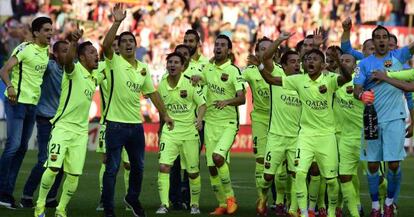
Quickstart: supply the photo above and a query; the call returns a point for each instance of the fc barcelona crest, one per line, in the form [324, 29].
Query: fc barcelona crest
[387, 63]
[143, 72]
[224, 77]
[322, 89]
[183, 93]
[53, 157]
[349, 89]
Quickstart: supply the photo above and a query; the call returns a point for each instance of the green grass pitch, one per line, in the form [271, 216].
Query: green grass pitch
[84, 202]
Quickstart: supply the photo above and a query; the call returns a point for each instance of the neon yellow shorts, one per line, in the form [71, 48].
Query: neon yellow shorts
[325, 151]
[219, 140]
[349, 152]
[278, 149]
[259, 131]
[188, 150]
[68, 149]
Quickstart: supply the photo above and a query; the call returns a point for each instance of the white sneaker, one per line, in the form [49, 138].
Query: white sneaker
[195, 210]
[100, 207]
[162, 210]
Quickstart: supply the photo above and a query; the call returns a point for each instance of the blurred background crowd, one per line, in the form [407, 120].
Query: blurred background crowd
[159, 25]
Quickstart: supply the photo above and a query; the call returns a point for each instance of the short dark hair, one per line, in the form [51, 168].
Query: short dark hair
[379, 27]
[366, 41]
[182, 58]
[229, 43]
[82, 47]
[337, 48]
[126, 33]
[260, 41]
[317, 52]
[394, 37]
[182, 46]
[286, 55]
[57, 44]
[299, 46]
[38, 23]
[193, 32]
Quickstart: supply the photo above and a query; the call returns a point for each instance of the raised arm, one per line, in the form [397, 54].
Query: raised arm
[345, 40]
[70, 56]
[119, 15]
[345, 72]
[273, 47]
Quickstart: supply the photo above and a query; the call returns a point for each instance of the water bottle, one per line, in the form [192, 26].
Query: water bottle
[370, 122]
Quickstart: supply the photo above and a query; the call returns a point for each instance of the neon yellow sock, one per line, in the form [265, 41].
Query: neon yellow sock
[69, 188]
[321, 196]
[280, 182]
[382, 190]
[224, 174]
[259, 176]
[195, 188]
[302, 191]
[288, 190]
[314, 184]
[356, 183]
[349, 196]
[126, 180]
[218, 190]
[164, 187]
[101, 173]
[333, 188]
[340, 203]
[294, 200]
[48, 178]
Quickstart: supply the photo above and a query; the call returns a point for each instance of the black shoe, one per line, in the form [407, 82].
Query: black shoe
[109, 213]
[135, 207]
[177, 206]
[26, 203]
[7, 201]
[51, 203]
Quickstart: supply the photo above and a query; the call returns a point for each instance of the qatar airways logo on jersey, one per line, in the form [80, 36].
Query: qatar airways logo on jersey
[317, 105]
[348, 104]
[134, 87]
[216, 89]
[88, 94]
[290, 100]
[177, 108]
[40, 68]
[263, 93]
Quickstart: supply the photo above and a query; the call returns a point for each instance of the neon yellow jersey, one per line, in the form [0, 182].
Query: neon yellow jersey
[103, 86]
[78, 88]
[181, 103]
[351, 110]
[260, 92]
[222, 83]
[317, 117]
[27, 75]
[200, 63]
[125, 83]
[285, 108]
